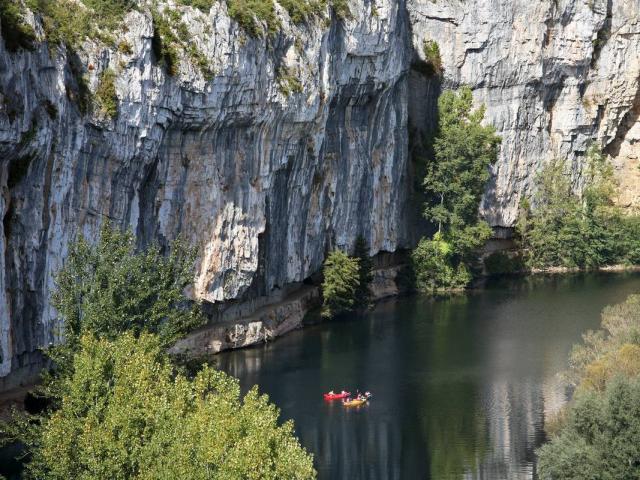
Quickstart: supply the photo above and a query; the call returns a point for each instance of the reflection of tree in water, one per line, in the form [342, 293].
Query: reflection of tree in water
[450, 415]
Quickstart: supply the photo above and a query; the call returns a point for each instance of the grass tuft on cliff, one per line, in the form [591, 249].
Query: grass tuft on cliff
[431, 51]
[106, 94]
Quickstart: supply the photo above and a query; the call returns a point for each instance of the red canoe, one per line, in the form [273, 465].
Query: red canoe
[336, 396]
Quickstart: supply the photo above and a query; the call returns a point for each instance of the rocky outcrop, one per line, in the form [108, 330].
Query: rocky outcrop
[265, 179]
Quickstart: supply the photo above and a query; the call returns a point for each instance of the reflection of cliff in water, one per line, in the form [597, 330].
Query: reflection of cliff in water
[461, 386]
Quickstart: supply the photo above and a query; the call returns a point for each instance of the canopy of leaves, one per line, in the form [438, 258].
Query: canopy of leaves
[577, 227]
[598, 435]
[110, 288]
[612, 350]
[435, 270]
[464, 149]
[601, 440]
[126, 414]
[341, 281]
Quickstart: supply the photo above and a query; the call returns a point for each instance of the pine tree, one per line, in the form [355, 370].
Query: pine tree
[341, 281]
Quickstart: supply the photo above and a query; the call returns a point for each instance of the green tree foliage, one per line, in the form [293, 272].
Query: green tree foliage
[110, 288]
[569, 227]
[341, 281]
[119, 409]
[601, 439]
[614, 349]
[455, 180]
[68, 22]
[365, 267]
[202, 5]
[126, 414]
[463, 151]
[436, 270]
[164, 43]
[598, 435]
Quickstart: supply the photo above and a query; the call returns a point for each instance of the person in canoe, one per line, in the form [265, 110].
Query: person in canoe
[334, 396]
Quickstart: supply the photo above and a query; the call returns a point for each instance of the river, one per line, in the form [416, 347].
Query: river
[462, 386]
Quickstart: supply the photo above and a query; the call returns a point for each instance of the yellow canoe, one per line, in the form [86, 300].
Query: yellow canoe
[354, 403]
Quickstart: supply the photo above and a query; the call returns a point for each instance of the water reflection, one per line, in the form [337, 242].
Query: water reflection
[461, 386]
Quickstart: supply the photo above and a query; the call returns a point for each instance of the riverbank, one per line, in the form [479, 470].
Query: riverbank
[272, 320]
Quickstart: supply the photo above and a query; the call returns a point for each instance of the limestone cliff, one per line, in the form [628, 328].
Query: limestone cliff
[298, 143]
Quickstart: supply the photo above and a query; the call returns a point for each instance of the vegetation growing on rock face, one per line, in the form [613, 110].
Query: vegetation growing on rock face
[125, 413]
[432, 57]
[288, 81]
[599, 435]
[570, 227]
[109, 288]
[464, 149]
[16, 33]
[106, 94]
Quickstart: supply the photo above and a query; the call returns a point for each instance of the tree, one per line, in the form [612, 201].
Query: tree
[341, 281]
[436, 272]
[464, 149]
[126, 414]
[569, 225]
[110, 288]
[598, 435]
[612, 350]
[601, 439]
[365, 267]
[118, 409]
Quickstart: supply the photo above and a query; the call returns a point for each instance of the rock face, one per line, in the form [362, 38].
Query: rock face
[554, 76]
[265, 179]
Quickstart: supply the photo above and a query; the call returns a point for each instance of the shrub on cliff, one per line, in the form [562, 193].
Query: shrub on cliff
[126, 414]
[341, 281]
[464, 149]
[106, 94]
[431, 51]
[16, 32]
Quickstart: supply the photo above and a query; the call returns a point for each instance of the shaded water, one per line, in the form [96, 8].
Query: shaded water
[461, 386]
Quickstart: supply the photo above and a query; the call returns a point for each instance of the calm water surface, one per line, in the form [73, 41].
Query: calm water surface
[461, 386]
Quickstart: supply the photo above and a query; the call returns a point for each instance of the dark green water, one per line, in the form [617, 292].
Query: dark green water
[461, 386]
